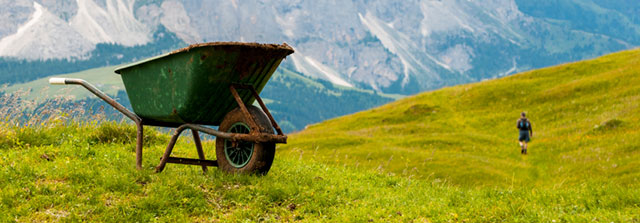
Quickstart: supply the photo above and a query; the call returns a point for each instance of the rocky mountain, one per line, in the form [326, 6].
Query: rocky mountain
[388, 46]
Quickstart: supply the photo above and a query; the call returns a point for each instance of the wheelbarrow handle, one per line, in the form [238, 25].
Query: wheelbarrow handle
[100, 94]
[110, 101]
[57, 81]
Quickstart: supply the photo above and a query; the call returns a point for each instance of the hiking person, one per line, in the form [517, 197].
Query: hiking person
[524, 125]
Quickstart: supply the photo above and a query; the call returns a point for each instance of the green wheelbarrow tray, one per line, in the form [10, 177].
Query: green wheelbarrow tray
[191, 85]
[202, 85]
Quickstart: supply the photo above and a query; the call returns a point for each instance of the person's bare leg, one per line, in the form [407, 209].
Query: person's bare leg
[525, 148]
[521, 147]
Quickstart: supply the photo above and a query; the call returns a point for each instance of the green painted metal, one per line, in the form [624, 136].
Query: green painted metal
[239, 154]
[191, 85]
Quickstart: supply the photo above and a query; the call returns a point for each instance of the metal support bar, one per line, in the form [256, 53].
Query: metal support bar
[257, 138]
[167, 152]
[263, 106]
[197, 162]
[114, 104]
[261, 137]
[139, 142]
[196, 140]
[245, 112]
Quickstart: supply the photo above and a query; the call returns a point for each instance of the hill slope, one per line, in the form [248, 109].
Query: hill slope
[82, 172]
[585, 119]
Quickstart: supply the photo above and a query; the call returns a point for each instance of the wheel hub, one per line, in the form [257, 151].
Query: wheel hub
[238, 153]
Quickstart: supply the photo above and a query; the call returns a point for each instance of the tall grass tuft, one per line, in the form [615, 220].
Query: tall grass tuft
[31, 123]
[124, 133]
[35, 122]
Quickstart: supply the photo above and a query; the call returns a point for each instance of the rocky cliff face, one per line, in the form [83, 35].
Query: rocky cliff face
[70, 29]
[389, 46]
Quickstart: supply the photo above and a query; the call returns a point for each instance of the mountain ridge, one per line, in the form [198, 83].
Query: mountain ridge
[392, 48]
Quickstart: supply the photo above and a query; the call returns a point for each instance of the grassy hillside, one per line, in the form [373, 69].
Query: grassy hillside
[585, 116]
[444, 156]
[82, 172]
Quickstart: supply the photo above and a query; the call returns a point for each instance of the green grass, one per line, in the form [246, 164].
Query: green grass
[585, 115]
[444, 156]
[75, 177]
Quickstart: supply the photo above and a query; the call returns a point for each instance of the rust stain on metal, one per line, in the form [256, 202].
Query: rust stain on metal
[204, 55]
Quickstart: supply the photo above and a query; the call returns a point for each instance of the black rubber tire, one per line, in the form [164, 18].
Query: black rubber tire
[263, 153]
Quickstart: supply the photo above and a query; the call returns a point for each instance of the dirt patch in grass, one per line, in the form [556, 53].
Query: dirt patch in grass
[607, 126]
[421, 109]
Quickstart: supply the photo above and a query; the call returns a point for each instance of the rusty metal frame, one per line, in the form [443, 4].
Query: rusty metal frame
[259, 99]
[243, 108]
[167, 158]
[255, 136]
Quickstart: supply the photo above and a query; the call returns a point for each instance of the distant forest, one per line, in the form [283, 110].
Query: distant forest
[14, 70]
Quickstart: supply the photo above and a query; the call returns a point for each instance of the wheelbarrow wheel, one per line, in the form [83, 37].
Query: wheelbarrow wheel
[241, 156]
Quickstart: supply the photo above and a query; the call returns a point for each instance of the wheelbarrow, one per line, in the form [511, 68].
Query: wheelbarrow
[202, 85]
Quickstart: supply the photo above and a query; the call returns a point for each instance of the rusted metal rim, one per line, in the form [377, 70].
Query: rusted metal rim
[238, 153]
[283, 49]
[267, 46]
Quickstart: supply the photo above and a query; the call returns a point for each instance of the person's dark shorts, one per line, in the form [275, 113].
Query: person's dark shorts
[524, 136]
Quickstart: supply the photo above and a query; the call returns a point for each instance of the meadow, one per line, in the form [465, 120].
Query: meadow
[448, 155]
[80, 172]
[585, 118]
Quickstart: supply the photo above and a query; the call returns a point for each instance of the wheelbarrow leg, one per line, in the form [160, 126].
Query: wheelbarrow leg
[139, 144]
[167, 152]
[196, 140]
